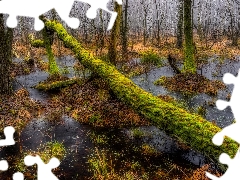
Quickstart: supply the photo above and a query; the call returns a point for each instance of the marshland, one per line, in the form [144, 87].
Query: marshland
[135, 102]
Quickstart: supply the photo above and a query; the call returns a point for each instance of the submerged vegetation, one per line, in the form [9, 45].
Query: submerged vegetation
[191, 84]
[46, 152]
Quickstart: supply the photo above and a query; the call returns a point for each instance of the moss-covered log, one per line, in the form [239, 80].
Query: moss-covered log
[37, 43]
[190, 128]
[47, 86]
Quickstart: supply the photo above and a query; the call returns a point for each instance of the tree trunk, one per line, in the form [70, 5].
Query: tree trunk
[6, 38]
[180, 25]
[145, 27]
[48, 41]
[124, 33]
[48, 37]
[189, 61]
[190, 128]
[101, 33]
[112, 49]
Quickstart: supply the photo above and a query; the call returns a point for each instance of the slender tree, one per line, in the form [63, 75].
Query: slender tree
[180, 25]
[6, 38]
[189, 61]
[112, 49]
[125, 32]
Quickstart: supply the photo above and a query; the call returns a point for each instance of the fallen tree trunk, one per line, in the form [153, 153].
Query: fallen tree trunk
[190, 128]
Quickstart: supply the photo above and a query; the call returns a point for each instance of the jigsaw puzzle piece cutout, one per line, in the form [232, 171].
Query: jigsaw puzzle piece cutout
[29, 8]
[221, 105]
[101, 4]
[18, 176]
[229, 78]
[35, 8]
[63, 9]
[8, 141]
[3, 165]
[44, 170]
[230, 131]
[235, 98]
[232, 172]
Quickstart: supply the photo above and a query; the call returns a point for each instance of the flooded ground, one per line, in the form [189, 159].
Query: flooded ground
[213, 70]
[77, 137]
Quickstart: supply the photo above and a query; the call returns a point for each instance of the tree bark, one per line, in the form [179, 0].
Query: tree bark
[189, 61]
[6, 38]
[48, 37]
[180, 25]
[112, 49]
[125, 32]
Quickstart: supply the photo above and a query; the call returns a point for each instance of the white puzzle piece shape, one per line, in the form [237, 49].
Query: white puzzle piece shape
[35, 8]
[18, 176]
[231, 131]
[232, 172]
[8, 141]
[101, 4]
[3, 165]
[44, 170]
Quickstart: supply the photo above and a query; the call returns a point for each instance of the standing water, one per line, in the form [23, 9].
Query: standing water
[75, 136]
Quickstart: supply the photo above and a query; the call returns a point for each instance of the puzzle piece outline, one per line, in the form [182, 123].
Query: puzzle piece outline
[63, 9]
[44, 171]
[8, 141]
[229, 131]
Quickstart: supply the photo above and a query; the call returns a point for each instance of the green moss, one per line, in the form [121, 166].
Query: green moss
[52, 149]
[137, 133]
[192, 129]
[95, 118]
[57, 84]
[99, 138]
[65, 70]
[38, 43]
[53, 68]
[160, 81]
[148, 150]
[46, 43]
[150, 57]
[46, 152]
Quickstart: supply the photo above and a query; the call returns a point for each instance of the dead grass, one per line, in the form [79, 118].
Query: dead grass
[200, 173]
[18, 110]
[23, 51]
[191, 84]
[95, 106]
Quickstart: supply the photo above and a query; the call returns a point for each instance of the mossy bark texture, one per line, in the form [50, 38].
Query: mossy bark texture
[47, 43]
[190, 128]
[189, 60]
[112, 49]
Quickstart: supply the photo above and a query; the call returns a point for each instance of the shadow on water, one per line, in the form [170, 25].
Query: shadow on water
[76, 139]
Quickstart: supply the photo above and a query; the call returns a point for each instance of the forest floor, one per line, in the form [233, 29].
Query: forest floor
[92, 103]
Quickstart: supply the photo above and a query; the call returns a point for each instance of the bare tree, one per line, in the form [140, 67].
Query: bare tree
[189, 60]
[112, 49]
[6, 38]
